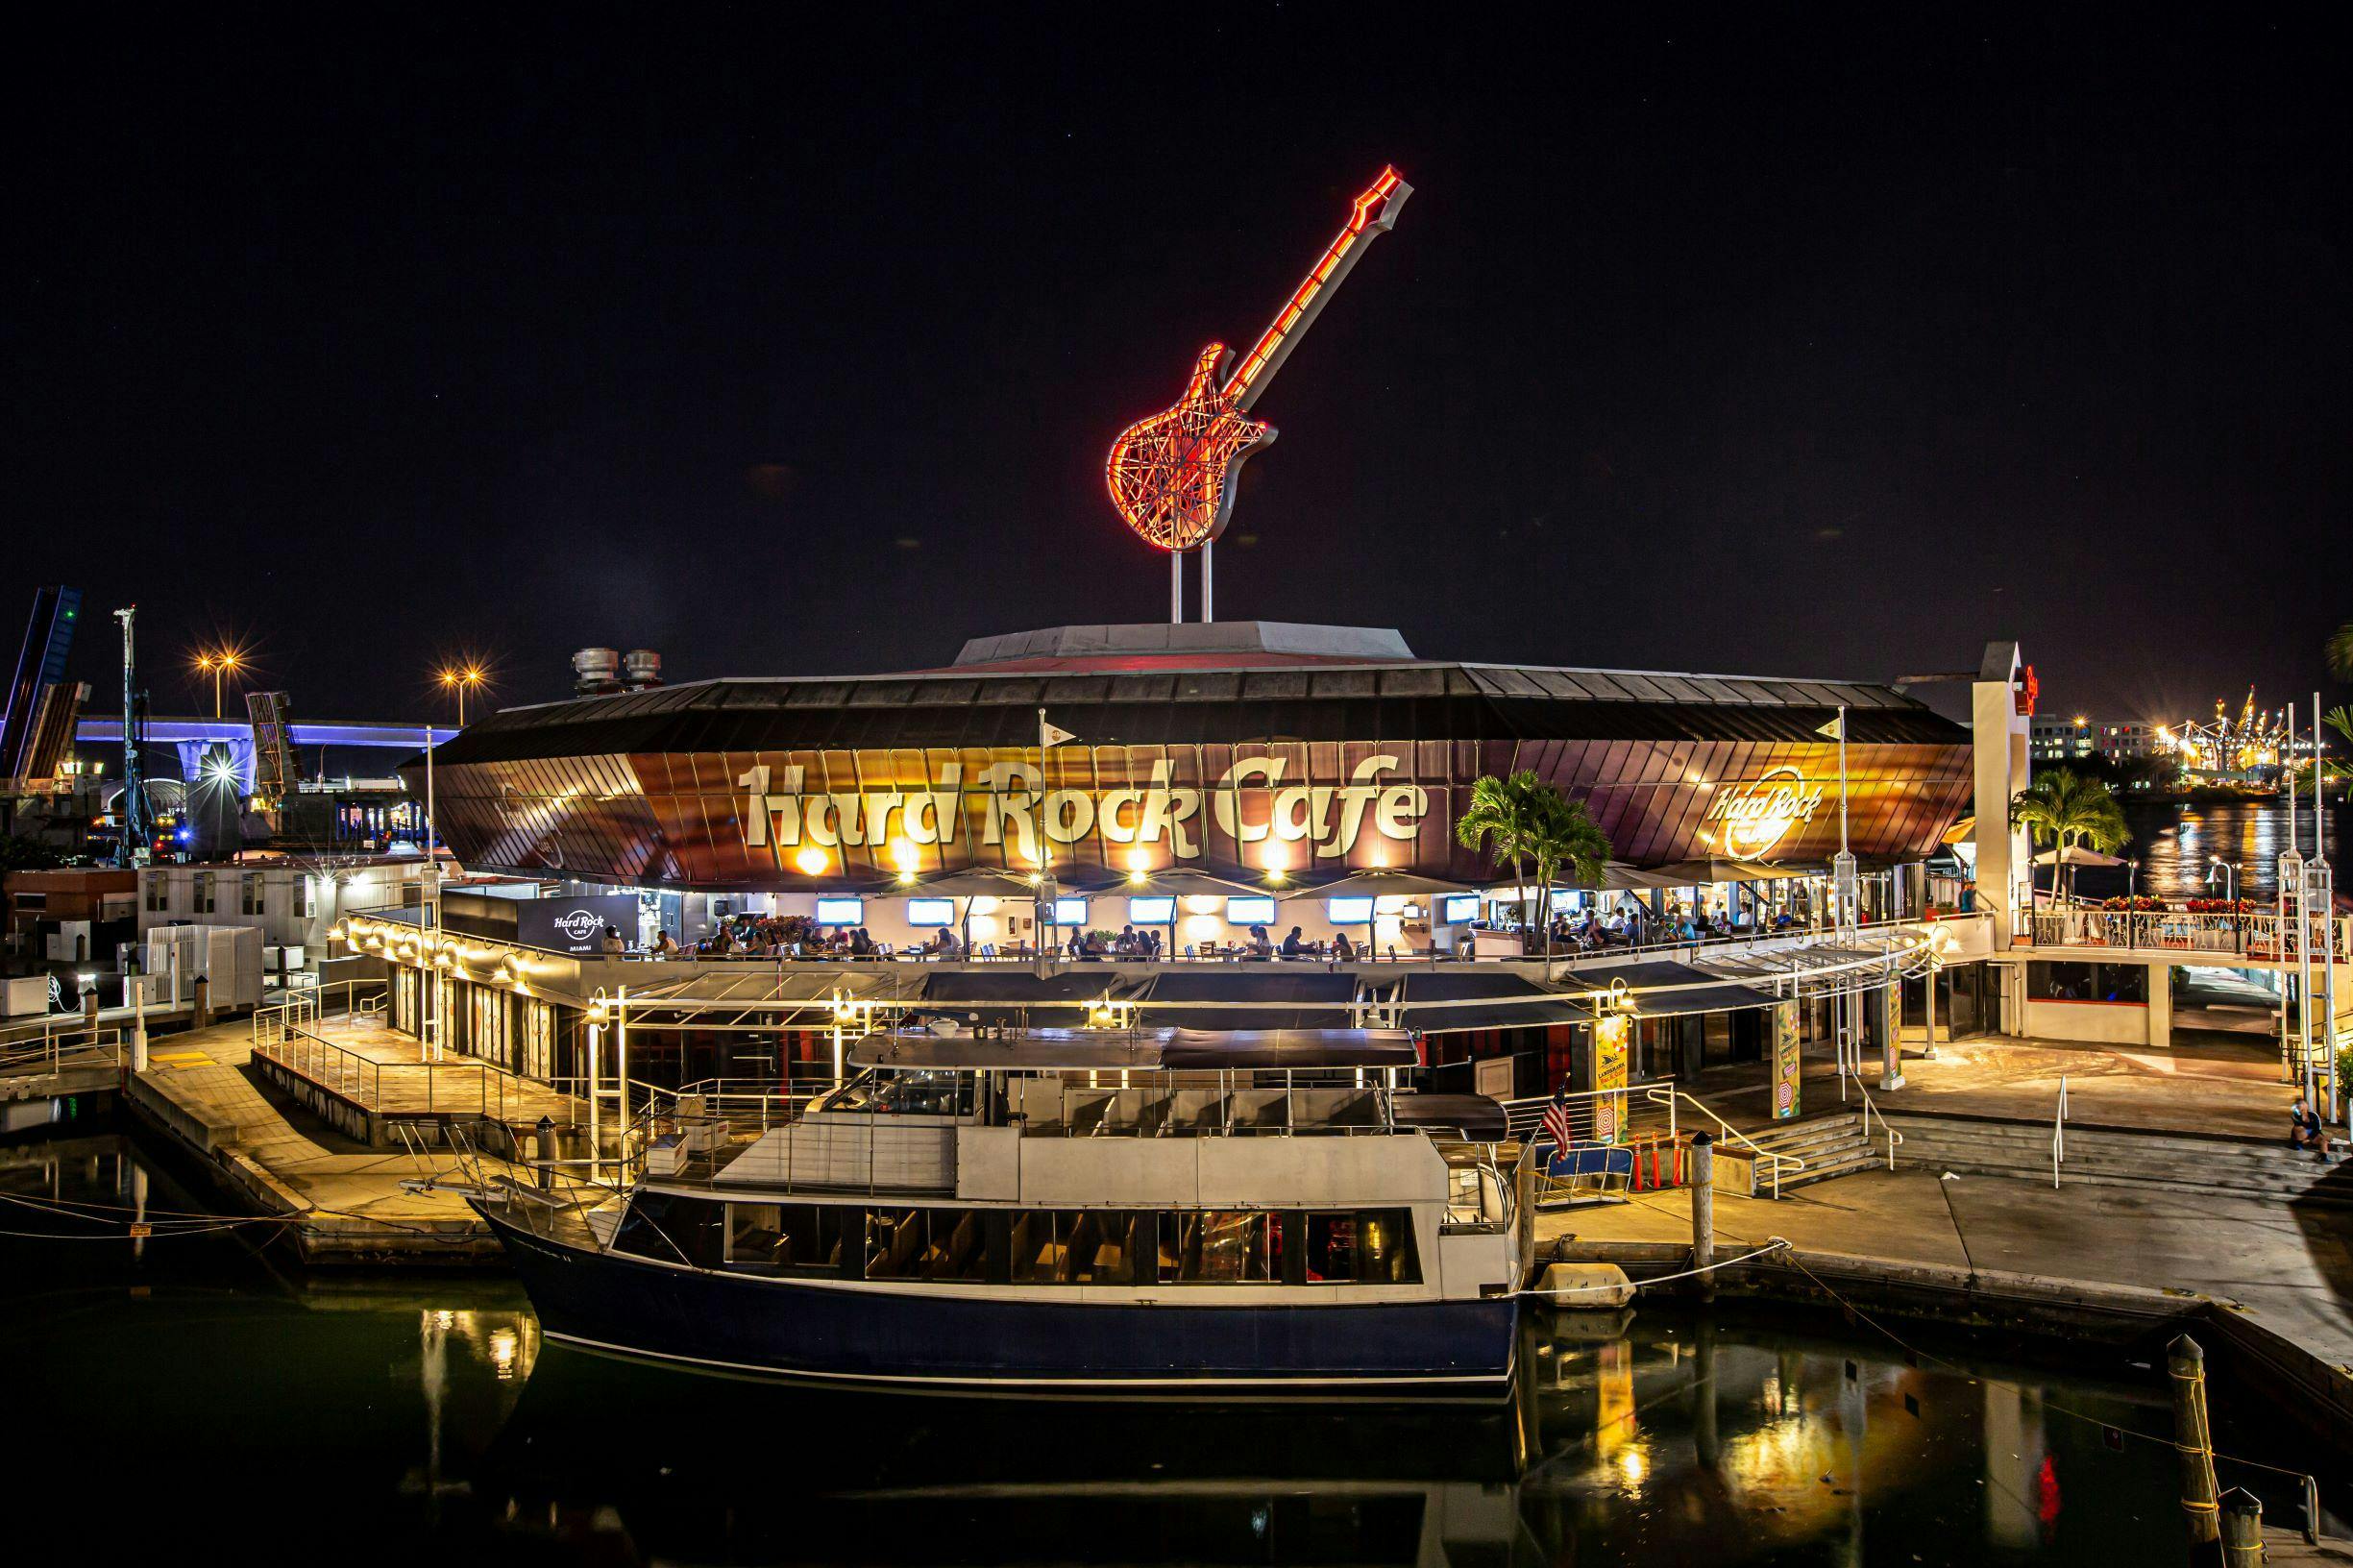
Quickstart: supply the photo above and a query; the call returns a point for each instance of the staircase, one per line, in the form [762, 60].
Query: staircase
[2165, 1162]
[1830, 1145]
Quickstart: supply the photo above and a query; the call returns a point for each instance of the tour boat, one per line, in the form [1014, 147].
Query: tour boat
[1101, 1213]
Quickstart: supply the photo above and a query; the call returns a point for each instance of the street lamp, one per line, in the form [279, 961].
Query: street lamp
[458, 679]
[2230, 874]
[216, 663]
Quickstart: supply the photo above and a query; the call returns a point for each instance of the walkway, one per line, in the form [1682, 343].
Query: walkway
[2292, 1266]
[2204, 1090]
[378, 1068]
[348, 1199]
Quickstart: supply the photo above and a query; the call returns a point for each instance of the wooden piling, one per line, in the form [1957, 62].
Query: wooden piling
[1703, 1211]
[2241, 1529]
[2193, 1441]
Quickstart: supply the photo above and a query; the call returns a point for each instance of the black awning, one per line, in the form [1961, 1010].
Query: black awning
[1269, 988]
[1013, 986]
[1453, 1003]
[1475, 1116]
[1141, 1049]
[1663, 990]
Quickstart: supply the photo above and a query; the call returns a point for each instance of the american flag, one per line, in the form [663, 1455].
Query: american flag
[1556, 1118]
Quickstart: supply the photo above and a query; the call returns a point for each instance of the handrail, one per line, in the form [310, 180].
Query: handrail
[1778, 1159]
[1871, 1109]
[58, 1049]
[2058, 1133]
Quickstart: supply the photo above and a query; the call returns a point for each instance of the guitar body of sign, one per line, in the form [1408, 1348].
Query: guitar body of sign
[1171, 476]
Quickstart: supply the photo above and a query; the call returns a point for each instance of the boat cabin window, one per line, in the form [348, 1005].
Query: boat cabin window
[790, 1237]
[1081, 1246]
[904, 1095]
[671, 1228]
[927, 1244]
[1031, 1247]
[1372, 1246]
[1220, 1246]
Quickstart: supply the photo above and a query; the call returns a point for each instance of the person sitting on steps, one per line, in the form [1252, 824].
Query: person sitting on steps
[2305, 1129]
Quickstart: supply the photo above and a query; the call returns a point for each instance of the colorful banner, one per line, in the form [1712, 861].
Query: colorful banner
[1786, 1064]
[1609, 1037]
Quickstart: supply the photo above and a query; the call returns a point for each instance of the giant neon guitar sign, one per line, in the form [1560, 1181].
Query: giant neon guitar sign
[1171, 476]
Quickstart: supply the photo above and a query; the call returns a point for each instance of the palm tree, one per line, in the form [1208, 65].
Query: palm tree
[2062, 809]
[1525, 823]
[2339, 651]
[1564, 834]
[1501, 821]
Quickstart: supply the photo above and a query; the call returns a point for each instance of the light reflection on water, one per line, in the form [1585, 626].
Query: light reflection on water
[2176, 846]
[418, 1416]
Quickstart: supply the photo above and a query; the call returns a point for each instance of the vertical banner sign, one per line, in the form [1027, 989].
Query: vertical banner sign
[1892, 1015]
[1609, 1079]
[1785, 1061]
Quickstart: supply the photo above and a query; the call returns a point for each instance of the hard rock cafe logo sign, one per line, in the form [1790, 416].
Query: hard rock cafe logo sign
[1752, 817]
[579, 925]
[1005, 807]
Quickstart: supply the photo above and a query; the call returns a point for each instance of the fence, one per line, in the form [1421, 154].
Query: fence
[2258, 934]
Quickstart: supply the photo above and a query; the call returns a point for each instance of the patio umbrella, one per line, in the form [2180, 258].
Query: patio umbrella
[2077, 855]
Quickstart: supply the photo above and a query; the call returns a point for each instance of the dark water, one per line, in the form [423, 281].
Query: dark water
[2174, 848]
[192, 1403]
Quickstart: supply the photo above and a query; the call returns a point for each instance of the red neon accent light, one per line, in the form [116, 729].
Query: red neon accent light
[1171, 476]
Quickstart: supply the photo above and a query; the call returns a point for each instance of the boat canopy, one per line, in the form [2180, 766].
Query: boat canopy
[1175, 1050]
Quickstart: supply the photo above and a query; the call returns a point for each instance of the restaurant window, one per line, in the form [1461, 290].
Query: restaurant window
[1079, 1246]
[159, 894]
[201, 898]
[1369, 1246]
[249, 893]
[1220, 1246]
[2087, 982]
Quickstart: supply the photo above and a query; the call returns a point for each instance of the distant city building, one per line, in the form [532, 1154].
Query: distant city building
[2081, 739]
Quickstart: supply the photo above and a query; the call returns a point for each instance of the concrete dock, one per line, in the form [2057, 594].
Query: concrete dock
[342, 1201]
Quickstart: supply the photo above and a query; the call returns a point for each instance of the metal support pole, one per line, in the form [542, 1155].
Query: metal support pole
[1207, 613]
[2185, 1363]
[1702, 1211]
[1176, 587]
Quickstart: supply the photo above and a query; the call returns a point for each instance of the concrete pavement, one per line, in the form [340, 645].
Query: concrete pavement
[2291, 1267]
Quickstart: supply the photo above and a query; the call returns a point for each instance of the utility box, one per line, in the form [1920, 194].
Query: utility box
[231, 962]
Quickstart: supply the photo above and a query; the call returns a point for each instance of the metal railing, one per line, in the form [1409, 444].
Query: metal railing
[1775, 1161]
[50, 1050]
[2253, 933]
[1871, 1109]
[359, 1078]
[2058, 1134]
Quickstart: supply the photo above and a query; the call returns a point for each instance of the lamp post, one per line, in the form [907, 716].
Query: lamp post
[460, 679]
[2230, 877]
[217, 663]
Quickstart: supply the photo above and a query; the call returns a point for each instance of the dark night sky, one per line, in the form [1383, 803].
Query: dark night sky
[1784, 347]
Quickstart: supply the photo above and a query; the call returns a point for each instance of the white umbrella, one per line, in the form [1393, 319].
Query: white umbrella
[2077, 855]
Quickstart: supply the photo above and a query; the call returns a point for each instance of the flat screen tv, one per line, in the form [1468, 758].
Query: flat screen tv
[1251, 911]
[841, 912]
[932, 912]
[1151, 910]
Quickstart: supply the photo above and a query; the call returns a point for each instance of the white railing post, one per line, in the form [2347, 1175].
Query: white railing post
[2058, 1134]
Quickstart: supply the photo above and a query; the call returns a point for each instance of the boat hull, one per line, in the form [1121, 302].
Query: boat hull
[782, 1328]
